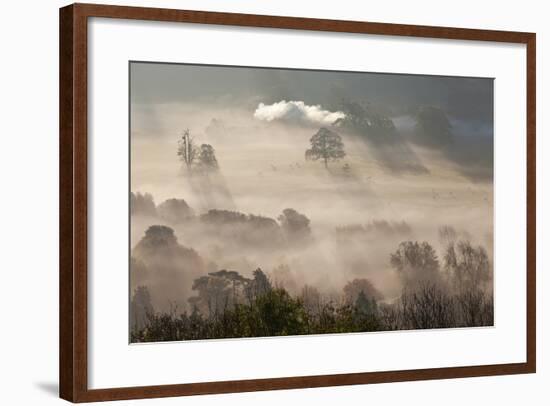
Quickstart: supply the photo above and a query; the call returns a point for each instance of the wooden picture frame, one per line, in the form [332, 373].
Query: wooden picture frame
[73, 209]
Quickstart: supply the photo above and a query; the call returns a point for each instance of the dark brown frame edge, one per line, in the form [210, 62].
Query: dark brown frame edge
[73, 362]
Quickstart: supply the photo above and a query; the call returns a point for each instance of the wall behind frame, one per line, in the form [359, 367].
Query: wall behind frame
[29, 171]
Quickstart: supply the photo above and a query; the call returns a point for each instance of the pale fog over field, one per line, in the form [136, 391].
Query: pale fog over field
[418, 166]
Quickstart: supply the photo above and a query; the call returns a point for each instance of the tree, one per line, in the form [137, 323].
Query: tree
[207, 158]
[280, 314]
[258, 286]
[366, 312]
[447, 235]
[326, 145]
[294, 224]
[187, 151]
[203, 156]
[171, 267]
[366, 121]
[427, 306]
[218, 291]
[140, 308]
[311, 299]
[416, 263]
[353, 289]
[138, 273]
[467, 266]
[475, 308]
[142, 204]
[433, 126]
[156, 237]
[239, 228]
[175, 211]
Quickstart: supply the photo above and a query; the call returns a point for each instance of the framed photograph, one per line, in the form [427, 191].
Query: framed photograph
[255, 202]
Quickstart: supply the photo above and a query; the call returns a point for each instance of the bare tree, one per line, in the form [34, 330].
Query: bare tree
[427, 306]
[475, 308]
[187, 151]
[390, 316]
[311, 299]
[467, 266]
[447, 235]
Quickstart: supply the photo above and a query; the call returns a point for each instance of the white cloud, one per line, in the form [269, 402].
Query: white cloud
[296, 111]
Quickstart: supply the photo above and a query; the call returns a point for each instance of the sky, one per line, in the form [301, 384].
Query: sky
[466, 99]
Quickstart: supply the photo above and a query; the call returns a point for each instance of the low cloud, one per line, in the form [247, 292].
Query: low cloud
[296, 111]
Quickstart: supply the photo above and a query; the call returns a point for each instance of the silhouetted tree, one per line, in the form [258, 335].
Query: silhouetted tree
[258, 286]
[467, 266]
[207, 158]
[236, 227]
[447, 235]
[227, 304]
[364, 120]
[187, 150]
[366, 313]
[475, 308]
[156, 237]
[221, 217]
[354, 288]
[426, 305]
[311, 299]
[142, 204]
[433, 126]
[138, 273]
[218, 291]
[416, 262]
[175, 211]
[171, 266]
[140, 308]
[294, 224]
[325, 145]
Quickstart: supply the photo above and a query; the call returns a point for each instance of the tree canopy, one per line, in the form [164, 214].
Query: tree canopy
[366, 121]
[142, 204]
[294, 224]
[433, 127]
[326, 145]
[207, 158]
[416, 262]
[202, 157]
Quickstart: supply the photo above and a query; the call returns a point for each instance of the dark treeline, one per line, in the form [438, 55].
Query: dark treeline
[454, 291]
[231, 226]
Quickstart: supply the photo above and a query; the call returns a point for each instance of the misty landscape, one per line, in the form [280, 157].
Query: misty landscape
[276, 202]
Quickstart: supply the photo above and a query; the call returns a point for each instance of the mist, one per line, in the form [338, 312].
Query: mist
[262, 168]
[349, 217]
